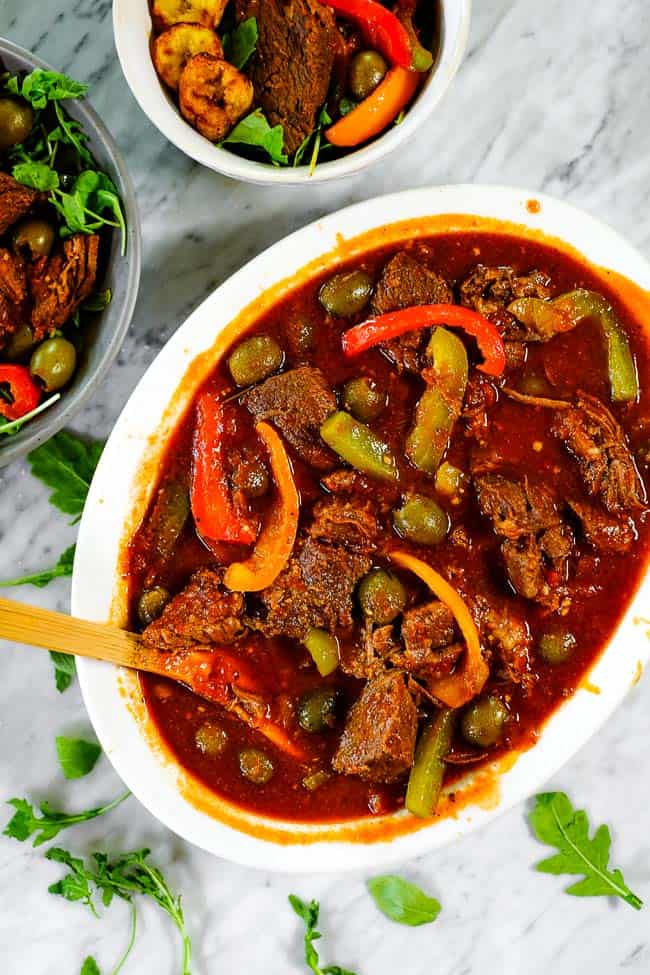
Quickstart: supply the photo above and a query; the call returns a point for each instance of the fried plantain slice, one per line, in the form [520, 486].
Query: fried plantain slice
[174, 47]
[213, 95]
[166, 13]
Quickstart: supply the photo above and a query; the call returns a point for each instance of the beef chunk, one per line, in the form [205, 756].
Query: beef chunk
[16, 200]
[515, 509]
[315, 589]
[13, 294]
[298, 402]
[507, 633]
[378, 742]
[293, 63]
[60, 285]
[525, 567]
[350, 523]
[368, 656]
[489, 290]
[427, 627]
[202, 613]
[480, 396]
[604, 532]
[405, 282]
[591, 433]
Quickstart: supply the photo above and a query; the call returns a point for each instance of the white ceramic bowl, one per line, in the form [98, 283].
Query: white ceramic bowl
[124, 476]
[132, 27]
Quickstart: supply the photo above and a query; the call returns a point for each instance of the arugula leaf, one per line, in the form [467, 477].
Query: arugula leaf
[65, 669]
[254, 130]
[309, 912]
[40, 579]
[71, 132]
[316, 136]
[25, 823]
[124, 877]
[554, 821]
[402, 901]
[84, 208]
[76, 756]
[41, 87]
[66, 463]
[14, 426]
[37, 175]
[90, 967]
[240, 46]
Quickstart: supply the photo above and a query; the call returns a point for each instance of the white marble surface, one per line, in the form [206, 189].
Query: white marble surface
[552, 96]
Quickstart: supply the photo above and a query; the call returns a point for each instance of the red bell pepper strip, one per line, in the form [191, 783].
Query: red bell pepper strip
[376, 330]
[381, 29]
[24, 393]
[212, 506]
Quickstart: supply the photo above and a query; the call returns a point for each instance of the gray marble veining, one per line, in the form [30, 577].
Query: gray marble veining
[551, 96]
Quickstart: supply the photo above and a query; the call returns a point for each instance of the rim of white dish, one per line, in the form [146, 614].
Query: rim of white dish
[96, 569]
[132, 30]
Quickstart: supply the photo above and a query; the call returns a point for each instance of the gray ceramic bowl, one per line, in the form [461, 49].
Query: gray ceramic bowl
[107, 333]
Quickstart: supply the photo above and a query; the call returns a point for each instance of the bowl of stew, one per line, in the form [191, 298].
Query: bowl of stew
[384, 497]
[308, 91]
[69, 250]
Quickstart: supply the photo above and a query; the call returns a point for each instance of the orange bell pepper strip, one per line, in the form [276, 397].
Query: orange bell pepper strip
[278, 535]
[377, 111]
[470, 677]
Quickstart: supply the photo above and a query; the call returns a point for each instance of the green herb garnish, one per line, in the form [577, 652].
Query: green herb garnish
[554, 821]
[66, 463]
[90, 967]
[402, 901]
[76, 756]
[309, 912]
[41, 87]
[316, 137]
[41, 579]
[125, 877]
[65, 669]
[240, 46]
[25, 823]
[254, 130]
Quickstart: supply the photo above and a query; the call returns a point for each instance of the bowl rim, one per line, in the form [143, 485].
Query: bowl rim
[158, 107]
[97, 564]
[44, 427]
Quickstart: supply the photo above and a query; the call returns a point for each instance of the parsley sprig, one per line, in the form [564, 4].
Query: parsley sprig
[309, 913]
[25, 824]
[126, 876]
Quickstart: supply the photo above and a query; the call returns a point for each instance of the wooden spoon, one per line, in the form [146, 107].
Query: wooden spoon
[217, 675]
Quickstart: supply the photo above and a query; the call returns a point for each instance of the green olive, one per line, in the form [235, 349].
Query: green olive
[16, 122]
[54, 362]
[151, 604]
[483, 722]
[251, 477]
[382, 596]
[367, 70]
[363, 399]
[346, 294]
[449, 480]
[556, 646]
[317, 710]
[20, 343]
[255, 766]
[255, 359]
[34, 236]
[421, 520]
[535, 385]
[211, 738]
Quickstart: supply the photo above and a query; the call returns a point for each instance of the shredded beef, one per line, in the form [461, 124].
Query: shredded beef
[368, 655]
[13, 294]
[515, 509]
[292, 65]
[405, 282]
[59, 285]
[202, 613]
[489, 290]
[298, 402]
[605, 532]
[345, 522]
[507, 634]
[16, 201]
[378, 742]
[591, 433]
[315, 589]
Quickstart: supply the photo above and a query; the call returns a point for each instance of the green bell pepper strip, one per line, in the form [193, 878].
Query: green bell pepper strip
[440, 404]
[359, 446]
[549, 318]
[425, 781]
[323, 649]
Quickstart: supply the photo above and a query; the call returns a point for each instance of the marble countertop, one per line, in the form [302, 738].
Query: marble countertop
[553, 97]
